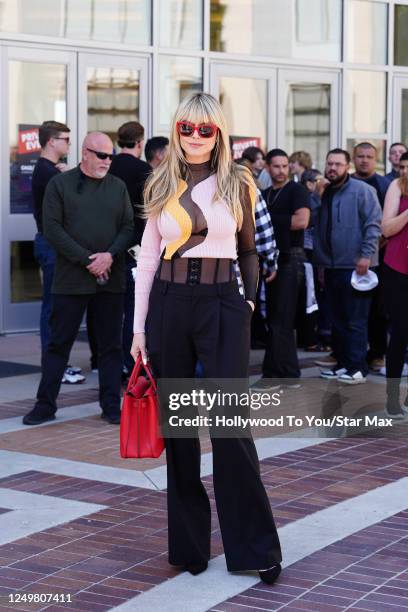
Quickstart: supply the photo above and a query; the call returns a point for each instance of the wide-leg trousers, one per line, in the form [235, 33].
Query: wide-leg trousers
[210, 323]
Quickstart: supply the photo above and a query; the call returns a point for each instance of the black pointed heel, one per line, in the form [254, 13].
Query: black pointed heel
[270, 575]
[196, 568]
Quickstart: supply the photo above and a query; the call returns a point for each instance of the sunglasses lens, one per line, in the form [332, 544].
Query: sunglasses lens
[185, 129]
[206, 131]
[101, 155]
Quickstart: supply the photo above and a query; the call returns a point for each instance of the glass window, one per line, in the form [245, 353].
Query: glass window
[306, 29]
[366, 102]
[113, 98]
[25, 277]
[181, 23]
[380, 145]
[27, 112]
[179, 77]
[127, 21]
[308, 120]
[244, 102]
[367, 32]
[400, 35]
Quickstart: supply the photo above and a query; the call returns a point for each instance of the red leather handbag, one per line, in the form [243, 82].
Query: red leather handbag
[140, 435]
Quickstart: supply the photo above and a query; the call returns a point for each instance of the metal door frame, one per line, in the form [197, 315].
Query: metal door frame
[24, 316]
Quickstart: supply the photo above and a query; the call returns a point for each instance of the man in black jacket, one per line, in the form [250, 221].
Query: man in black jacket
[133, 171]
[88, 219]
[289, 208]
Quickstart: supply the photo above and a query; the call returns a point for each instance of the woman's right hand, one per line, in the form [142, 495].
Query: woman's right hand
[139, 347]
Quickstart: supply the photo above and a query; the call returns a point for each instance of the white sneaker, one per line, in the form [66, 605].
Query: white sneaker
[72, 378]
[332, 374]
[405, 405]
[352, 378]
[383, 371]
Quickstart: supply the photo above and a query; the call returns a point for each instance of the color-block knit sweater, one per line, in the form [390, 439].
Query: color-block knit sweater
[171, 233]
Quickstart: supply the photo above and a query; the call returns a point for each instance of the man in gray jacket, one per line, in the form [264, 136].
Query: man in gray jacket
[347, 231]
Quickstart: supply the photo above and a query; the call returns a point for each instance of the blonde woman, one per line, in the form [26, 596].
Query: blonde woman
[200, 218]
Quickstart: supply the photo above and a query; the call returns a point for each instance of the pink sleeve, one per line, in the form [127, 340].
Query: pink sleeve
[147, 264]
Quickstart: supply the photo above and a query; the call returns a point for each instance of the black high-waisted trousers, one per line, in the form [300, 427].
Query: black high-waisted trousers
[210, 323]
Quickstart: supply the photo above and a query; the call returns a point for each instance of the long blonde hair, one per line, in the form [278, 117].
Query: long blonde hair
[231, 179]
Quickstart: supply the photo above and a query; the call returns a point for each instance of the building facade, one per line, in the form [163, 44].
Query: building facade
[298, 74]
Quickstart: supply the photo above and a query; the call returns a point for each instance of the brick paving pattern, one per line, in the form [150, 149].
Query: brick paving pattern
[112, 555]
[108, 557]
[89, 439]
[365, 571]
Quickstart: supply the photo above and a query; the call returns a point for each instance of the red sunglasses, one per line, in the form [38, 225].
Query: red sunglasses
[205, 130]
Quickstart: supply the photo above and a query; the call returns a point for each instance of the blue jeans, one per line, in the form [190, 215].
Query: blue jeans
[349, 309]
[45, 256]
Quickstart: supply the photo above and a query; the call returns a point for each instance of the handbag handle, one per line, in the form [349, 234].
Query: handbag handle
[136, 373]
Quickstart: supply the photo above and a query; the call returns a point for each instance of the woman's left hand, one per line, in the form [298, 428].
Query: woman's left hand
[252, 305]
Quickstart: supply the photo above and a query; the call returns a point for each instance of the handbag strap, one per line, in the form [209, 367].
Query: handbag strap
[136, 373]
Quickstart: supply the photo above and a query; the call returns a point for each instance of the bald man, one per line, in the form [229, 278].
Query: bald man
[88, 220]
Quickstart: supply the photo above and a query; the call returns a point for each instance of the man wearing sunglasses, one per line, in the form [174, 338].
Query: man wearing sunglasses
[88, 219]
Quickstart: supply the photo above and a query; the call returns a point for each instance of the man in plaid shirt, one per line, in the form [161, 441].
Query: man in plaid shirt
[265, 239]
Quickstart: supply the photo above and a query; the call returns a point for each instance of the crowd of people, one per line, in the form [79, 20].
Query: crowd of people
[318, 237]
[341, 269]
[261, 246]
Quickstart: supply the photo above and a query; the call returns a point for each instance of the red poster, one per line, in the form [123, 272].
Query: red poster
[23, 158]
[240, 143]
[28, 141]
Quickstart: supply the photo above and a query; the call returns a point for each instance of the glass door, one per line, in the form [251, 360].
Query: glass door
[40, 86]
[247, 97]
[112, 90]
[308, 112]
[400, 115]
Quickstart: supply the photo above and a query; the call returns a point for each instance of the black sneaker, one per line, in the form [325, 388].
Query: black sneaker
[351, 377]
[265, 384]
[37, 417]
[113, 419]
[394, 410]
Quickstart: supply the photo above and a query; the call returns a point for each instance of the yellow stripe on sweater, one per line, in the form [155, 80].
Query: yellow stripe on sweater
[180, 215]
